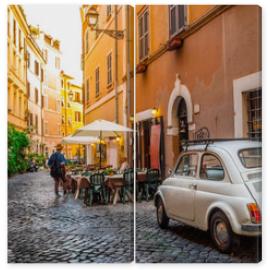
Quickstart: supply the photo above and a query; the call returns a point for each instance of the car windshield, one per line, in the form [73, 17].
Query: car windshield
[251, 157]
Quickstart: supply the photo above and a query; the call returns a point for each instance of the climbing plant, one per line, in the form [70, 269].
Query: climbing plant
[18, 141]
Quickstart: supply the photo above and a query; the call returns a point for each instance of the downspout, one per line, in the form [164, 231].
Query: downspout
[128, 101]
[41, 109]
[116, 65]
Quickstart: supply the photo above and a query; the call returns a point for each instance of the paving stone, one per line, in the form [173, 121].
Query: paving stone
[42, 228]
[181, 243]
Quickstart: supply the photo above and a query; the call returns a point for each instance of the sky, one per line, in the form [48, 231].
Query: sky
[61, 22]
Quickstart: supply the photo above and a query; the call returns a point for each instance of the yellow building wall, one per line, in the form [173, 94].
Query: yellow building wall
[68, 114]
[17, 94]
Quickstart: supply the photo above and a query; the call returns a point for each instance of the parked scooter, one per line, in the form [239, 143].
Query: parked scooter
[33, 167]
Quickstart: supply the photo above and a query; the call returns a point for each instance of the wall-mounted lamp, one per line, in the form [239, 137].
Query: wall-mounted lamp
[154, 111]
[92, 20]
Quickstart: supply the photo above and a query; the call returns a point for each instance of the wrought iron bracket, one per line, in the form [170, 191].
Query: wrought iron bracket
[117, 34]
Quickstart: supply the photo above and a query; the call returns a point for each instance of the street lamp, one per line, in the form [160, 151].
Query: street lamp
[92, 19]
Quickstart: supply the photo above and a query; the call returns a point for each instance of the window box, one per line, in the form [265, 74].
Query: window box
[175, 43]
[141, 68]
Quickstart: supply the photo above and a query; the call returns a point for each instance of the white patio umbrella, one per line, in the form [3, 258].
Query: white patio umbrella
[79, 140]
[101, 128]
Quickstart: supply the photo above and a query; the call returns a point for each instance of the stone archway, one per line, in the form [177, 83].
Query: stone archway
[179, 92]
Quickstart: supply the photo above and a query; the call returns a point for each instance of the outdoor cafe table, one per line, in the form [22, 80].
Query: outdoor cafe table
[81, 181]
[115, 183]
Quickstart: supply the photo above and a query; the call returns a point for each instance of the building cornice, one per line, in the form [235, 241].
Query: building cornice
[21, 18]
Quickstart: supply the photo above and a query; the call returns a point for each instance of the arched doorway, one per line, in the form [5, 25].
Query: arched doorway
[182, 120]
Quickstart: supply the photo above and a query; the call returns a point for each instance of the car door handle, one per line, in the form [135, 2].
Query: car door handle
[193, 186]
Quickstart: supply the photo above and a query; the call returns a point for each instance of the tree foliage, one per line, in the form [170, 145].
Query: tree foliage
[17, 143]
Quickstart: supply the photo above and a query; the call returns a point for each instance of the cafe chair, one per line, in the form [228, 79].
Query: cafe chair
[152, 182]
[128, 186]
[98, 188]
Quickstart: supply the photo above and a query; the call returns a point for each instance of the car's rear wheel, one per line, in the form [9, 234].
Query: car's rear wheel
[221, 232]
[162, 218]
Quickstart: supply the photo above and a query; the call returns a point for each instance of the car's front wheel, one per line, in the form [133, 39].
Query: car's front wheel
[162, 218]
[221, 232]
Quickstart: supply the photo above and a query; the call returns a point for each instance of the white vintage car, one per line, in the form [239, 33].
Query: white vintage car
[215, 186]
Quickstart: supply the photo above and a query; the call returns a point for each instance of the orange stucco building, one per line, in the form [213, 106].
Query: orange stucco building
[51, 93]
[107, 65]
[200, 69]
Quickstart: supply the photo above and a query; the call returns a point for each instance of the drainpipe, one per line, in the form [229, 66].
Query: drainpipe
[41, 109]
[128, 80]
[116, 65]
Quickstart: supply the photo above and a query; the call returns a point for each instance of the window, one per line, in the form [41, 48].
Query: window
[8, 16]
[97, 32]
[36, 68]
[20, 105]
[177, 18]
[58, 105]
[20, 39]
[87, 94]
[14, 32]
[109, 69]
[57, 62]
[36, 122]
[30, 119]
[254, 108]
[97, 82]
[28, 89]
[45, 54]
[143, 34]
[77, 97]
[36, 96]
[77, 116]
[187, 165]
[28, 59]
[42, 74]
[251, 158]
[109, 11]
[211, 168]
[87, 41]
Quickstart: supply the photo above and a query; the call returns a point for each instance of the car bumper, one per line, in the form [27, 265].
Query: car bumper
[252, 228]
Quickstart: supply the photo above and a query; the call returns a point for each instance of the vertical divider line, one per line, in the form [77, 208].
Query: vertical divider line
[134, 127]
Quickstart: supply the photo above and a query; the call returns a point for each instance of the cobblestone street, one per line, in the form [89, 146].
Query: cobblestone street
[180, 243]
[43, 228]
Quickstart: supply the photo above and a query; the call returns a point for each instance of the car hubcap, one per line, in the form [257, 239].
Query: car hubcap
[221, 233]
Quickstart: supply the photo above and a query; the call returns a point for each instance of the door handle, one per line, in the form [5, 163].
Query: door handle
[193, 186]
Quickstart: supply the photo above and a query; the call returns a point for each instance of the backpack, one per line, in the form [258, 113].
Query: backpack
[56, 170]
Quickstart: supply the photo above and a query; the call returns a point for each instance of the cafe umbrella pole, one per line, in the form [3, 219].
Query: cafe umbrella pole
[100, 134]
